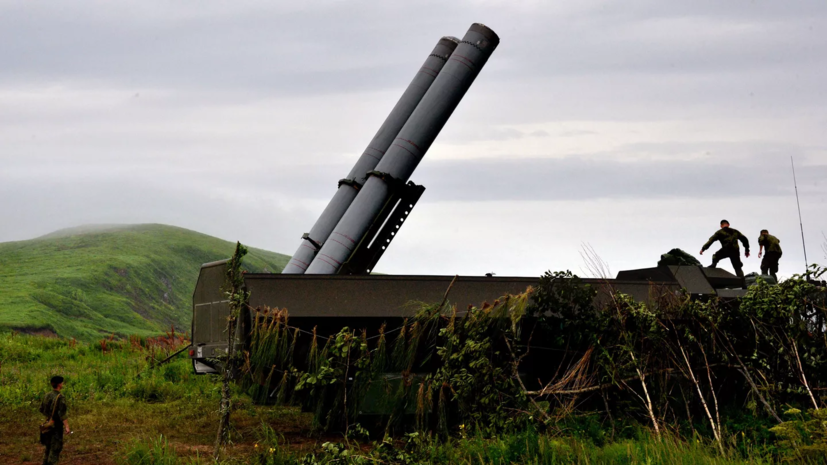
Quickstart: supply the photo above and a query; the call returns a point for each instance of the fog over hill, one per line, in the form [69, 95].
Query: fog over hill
[86, 229]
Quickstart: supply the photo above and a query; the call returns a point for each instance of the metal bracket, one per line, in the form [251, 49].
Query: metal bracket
[394, 183]
[385, 227]
[350, 182]
[306, 236]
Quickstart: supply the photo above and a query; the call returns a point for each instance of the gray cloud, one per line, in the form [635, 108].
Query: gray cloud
[724, 170]
[189, 113]
[281, 48]
[36, 206]
[587, 178]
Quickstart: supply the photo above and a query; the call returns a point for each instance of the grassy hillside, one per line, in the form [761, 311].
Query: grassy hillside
[92, 281]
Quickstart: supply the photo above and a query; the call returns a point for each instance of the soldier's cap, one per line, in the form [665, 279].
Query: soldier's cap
[56, 380]
[724, 221]
[764, 231]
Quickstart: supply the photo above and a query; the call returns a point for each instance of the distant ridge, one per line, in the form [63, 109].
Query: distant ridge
[90, 281]
[89, 229]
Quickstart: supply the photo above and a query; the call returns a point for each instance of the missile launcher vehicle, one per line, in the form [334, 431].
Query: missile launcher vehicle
[328, 284]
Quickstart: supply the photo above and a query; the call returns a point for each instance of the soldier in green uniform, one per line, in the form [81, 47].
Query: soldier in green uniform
[729, 238]
[773, 254]
[54, 407]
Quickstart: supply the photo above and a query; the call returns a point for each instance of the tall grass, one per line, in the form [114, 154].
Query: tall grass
[530, 448]
[94, 372]
[156, 452]
[524, 448]
[104, 383]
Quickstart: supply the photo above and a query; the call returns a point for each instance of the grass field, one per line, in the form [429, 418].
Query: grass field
[122, 412]
[88, 282]
[115, 401]
[110, 292]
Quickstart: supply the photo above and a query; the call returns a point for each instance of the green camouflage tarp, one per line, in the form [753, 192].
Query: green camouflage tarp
[677, 257]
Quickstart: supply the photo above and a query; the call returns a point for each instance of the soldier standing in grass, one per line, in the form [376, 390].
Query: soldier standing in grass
[729, 247]
[53, 408]
[773, 254]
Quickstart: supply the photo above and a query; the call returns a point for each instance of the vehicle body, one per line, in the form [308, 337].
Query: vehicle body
[328, 303]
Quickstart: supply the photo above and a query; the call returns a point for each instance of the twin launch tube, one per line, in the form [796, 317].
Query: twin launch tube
[406, 150]
[350, 186]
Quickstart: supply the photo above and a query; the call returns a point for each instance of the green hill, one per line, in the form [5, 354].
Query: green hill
[96, 280]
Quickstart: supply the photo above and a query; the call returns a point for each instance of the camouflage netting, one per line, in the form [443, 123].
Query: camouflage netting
[678, 257]
[551, 355]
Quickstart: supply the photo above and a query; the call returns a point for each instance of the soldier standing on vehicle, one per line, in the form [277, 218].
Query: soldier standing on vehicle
[773, 254]
[729, 238]
[53, 407]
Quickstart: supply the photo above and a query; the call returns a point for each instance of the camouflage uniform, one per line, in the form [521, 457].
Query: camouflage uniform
[772, 254]
[729, 238]
[54, 443]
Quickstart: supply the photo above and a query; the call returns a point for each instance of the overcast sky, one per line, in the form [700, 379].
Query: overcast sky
[632, 126]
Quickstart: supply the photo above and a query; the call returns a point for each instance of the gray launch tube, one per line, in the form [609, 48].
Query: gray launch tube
[409, 147]
[349, 187]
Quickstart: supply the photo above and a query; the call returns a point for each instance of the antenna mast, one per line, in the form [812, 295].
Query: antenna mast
[800, 224]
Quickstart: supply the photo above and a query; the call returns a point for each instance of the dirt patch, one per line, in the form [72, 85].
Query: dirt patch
[140, 309]
[103, 431]
[45, 332]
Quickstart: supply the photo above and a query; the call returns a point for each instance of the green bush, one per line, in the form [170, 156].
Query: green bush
[154, 388]
[803, 437]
